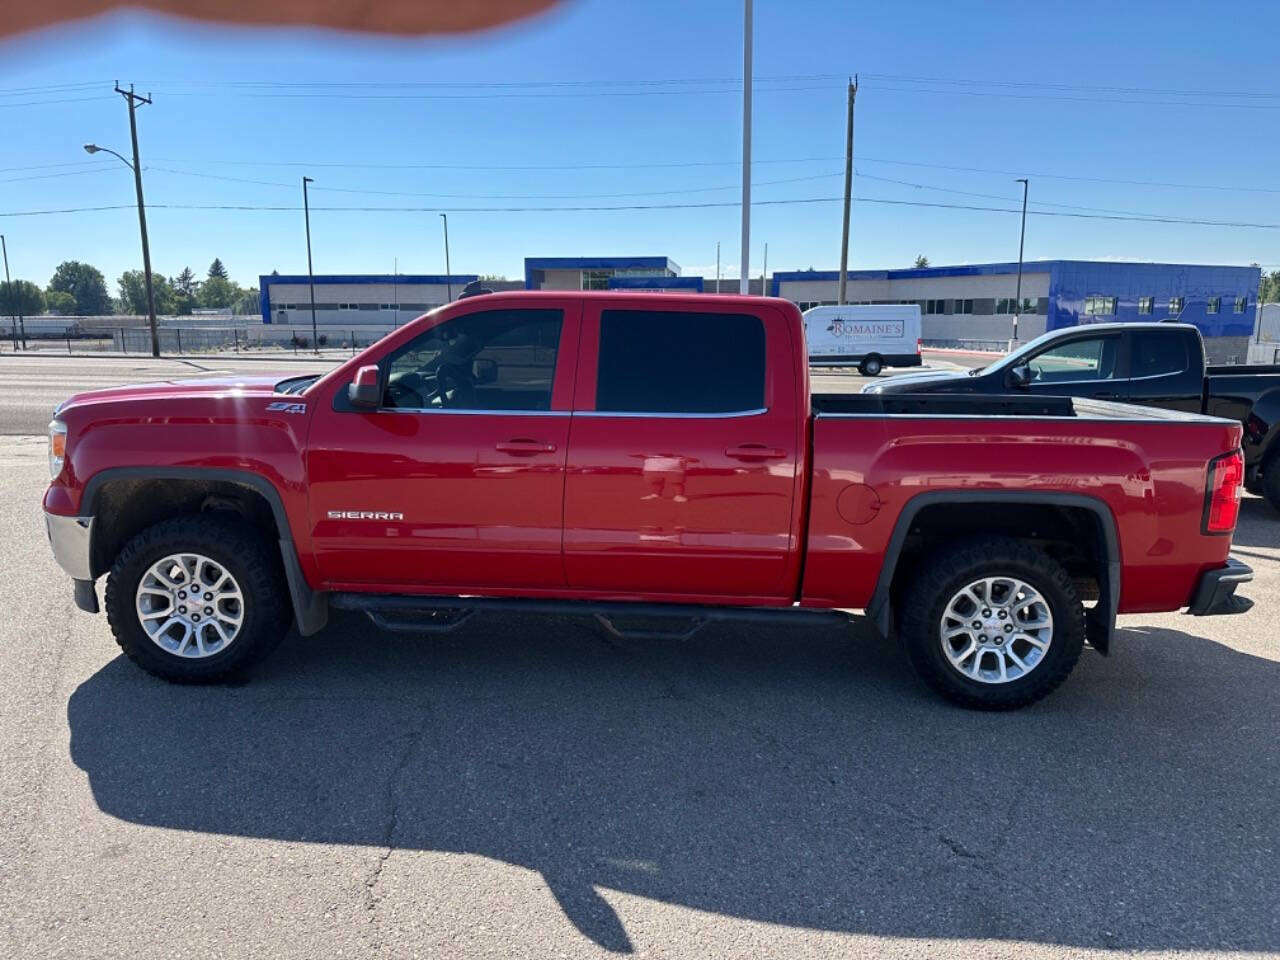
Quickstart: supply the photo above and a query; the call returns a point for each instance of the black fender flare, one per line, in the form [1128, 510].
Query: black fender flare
[1102, 620]
[310, 607]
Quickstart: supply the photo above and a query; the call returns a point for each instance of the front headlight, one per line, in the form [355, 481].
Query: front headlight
[57, 447]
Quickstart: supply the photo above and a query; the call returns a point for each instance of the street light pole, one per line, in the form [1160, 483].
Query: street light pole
[744, 272]
[311, 277]
[448, 273]
[1022, 236]
[13, 301]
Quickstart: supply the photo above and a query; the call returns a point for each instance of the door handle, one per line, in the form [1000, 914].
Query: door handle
[524, 448]
[754, 451]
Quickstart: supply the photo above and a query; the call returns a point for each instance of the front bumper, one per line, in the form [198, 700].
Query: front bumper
[1216, 592]
[71, 539]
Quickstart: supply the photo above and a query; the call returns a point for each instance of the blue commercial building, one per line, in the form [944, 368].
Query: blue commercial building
[979, 301]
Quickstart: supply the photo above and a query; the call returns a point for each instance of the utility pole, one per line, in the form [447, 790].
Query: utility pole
[848, 191]
[448, 273]
[1017, 304]
[717, 266]
[744, 274]
[306, 213]
[133, 100]
[764, 273]
[13, 301]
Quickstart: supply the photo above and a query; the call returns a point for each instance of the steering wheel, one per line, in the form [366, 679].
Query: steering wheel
[406, 392]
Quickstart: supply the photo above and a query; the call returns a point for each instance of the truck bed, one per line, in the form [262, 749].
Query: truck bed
[965, 405]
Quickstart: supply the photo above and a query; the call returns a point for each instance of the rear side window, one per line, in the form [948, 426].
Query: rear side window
[680, 362]
[1154, 355]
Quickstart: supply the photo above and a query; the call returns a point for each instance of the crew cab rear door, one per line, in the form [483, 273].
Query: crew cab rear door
[456, 480]
[684, 448]
[1166, 369]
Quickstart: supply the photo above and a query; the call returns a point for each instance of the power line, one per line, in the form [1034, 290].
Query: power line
[535, 95]
[364, 165]
[1189, 221]
[489, 84]
[41, 103]
[1171, 91]
[491, 196]
[54, 176]
[1080, 179]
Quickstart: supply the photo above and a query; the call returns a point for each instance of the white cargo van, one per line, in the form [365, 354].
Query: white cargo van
[868, 336]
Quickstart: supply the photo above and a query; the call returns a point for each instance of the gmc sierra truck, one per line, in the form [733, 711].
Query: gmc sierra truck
[657, 461]
[1151, 364]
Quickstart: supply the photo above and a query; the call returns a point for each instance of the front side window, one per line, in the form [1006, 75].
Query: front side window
[680, 362]
[1157, 354]
[1077, 360]
[492, 360]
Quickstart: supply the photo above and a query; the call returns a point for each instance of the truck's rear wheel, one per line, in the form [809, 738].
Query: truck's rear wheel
[1271, 479]
[993, 623]
[871, 366]
[197, 599]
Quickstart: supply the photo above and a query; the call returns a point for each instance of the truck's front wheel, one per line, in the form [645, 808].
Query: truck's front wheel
[197, 599]
[993, 623]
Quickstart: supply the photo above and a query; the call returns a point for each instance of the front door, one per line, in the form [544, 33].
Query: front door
[457, 480]
[1081, 367]
[683, 454]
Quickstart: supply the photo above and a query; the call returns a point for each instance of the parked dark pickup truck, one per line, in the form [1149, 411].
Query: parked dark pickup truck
[1153, 364]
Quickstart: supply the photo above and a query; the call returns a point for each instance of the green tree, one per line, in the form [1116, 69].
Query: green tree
[216, 269]
[921, 262]
[60, 304]
[218, 293]
[1269, 287]
[248, 302]
[86, 284]
[21, 296]
[186, 283]
[133, 293]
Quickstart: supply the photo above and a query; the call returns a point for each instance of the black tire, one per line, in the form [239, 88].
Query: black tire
[943, 576]
[871, 366]
[231, 544]
[1271, 479]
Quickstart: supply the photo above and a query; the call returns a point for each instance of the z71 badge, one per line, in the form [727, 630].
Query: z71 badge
[283, 406]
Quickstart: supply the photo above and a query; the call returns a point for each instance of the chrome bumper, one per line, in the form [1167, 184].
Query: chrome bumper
[71, 539]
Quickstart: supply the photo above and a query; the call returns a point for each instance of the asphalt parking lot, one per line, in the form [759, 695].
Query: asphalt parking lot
[529, 787]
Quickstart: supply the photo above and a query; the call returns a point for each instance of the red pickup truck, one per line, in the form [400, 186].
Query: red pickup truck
[647, 459]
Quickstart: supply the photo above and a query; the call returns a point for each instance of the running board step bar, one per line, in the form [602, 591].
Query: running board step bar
[402, 613]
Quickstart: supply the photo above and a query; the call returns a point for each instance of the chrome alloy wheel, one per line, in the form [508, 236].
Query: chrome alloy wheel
[189, 605]
[996, 630]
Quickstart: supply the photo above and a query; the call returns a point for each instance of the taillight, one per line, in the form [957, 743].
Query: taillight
[1222, 492]
[918, 343]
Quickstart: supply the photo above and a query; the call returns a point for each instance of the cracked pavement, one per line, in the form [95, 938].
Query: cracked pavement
[523, 788]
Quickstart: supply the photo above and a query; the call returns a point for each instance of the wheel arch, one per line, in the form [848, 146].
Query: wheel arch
[120, 493]
[1106, 564]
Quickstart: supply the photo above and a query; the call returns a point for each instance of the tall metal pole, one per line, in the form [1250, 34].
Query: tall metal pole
[848, 192]
[764, 273]
[13, 301]
[311, 277]
[744, 274]
[1017, 305]
[134, 99]
[717, 266]
[448, 273]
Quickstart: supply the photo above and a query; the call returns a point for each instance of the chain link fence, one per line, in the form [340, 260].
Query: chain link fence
[77, 338]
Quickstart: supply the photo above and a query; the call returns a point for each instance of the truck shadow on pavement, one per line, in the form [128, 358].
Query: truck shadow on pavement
[791, 777]
[1259, 525]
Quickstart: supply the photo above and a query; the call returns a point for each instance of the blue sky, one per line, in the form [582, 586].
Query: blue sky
[1004, 89]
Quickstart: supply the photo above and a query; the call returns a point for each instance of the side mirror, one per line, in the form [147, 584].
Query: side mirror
[484, 371]
[363, 391]
[1019, 376]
